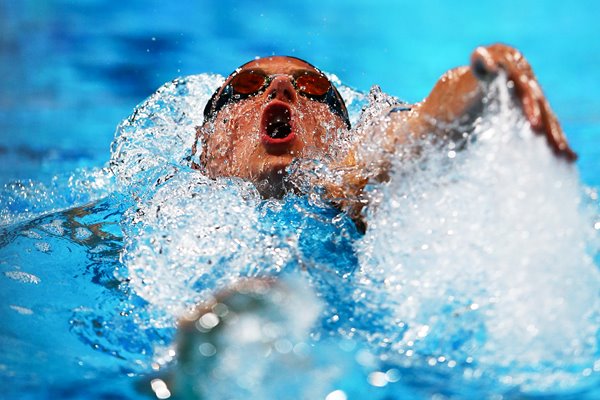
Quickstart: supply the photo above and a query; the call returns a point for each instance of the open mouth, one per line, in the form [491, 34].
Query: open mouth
[276, 124]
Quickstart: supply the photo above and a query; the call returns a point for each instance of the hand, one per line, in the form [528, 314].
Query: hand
[486, 62]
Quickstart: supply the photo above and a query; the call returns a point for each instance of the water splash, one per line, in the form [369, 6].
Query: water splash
[477, 271]
[466, 244]
[486, 258]
[24, 200]
[156, 140]
[186, 235]
[204, 237]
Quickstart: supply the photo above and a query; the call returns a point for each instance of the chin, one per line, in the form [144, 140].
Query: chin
[269, 176]
[271, 167]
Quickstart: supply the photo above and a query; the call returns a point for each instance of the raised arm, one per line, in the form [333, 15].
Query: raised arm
[454, 103]
[456, 99]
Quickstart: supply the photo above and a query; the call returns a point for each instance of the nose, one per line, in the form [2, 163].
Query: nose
[281, 88]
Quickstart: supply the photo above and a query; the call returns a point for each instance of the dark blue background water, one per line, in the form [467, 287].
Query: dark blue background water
[71, 70]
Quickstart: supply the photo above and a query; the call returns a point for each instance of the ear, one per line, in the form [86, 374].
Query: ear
[199, 148]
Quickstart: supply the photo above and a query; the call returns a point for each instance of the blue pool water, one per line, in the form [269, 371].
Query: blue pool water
[476, 296]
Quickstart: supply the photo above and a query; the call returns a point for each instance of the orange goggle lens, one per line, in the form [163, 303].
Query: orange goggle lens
[247, 83]
[251, 82]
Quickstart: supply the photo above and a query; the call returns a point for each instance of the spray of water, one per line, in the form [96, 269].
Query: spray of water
[486, 257]
[478, 257]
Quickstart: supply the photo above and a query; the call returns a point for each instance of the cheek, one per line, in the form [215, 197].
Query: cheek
[321, 126]
[219, 140]
[247, 123]
[235, 126]
[243, 135]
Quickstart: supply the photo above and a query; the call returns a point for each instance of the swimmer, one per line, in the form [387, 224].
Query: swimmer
[273, 110]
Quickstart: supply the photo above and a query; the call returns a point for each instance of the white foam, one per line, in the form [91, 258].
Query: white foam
[481, 257]
[186, 233]
[27, 199]
[195, 234]
[486, 256]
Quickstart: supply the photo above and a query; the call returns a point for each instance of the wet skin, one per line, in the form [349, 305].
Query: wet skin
[235, 143]
[240, 141]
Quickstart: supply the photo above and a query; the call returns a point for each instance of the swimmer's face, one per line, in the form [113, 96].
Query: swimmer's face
[269, 112]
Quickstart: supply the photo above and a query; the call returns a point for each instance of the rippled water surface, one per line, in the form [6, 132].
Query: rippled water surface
[477, 276]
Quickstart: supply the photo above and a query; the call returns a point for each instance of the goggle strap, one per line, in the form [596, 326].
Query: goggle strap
[334, 100]
[221, 98]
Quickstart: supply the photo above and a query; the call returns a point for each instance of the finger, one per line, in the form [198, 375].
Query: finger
[532, 100]
[550, 130]
[554, 133]
[520, 74]
[535, 106]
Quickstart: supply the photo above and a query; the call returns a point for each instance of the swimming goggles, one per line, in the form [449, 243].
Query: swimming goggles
[246, 83]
